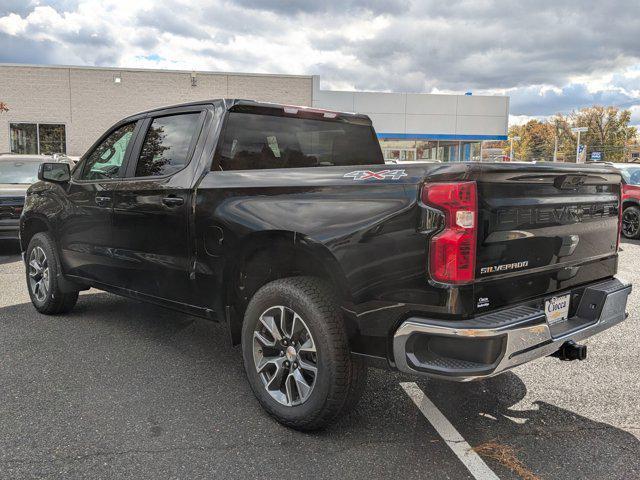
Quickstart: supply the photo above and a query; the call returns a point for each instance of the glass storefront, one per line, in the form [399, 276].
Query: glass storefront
[441, 151]
[401, 154]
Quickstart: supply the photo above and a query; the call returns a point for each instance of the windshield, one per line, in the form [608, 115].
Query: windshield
[19, 172]
[631, 175]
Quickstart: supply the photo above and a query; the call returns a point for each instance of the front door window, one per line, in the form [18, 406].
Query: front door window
[106, 159]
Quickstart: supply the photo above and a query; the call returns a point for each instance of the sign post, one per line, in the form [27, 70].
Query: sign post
[511, 153]
[579, 148]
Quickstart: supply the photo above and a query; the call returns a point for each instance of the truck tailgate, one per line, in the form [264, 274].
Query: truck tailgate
[542, 229]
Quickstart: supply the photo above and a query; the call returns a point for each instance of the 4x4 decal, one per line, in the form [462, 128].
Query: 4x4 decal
[380, 175]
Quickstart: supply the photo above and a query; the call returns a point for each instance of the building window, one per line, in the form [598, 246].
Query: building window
[52, 139]
[24, 138]
[34, 138]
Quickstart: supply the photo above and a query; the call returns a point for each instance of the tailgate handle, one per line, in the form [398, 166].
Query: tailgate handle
[173, 201]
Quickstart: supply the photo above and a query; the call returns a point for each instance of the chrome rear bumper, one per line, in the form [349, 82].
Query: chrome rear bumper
[492, 343]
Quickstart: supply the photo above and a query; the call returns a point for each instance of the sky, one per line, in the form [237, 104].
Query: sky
[549, 56]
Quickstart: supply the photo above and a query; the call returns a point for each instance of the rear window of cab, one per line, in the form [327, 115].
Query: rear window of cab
[254, 141]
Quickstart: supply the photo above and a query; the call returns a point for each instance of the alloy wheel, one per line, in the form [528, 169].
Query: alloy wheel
[285, 356]
[39, 274]
[630, 223]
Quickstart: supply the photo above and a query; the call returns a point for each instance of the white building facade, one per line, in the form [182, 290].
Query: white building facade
[414, 126]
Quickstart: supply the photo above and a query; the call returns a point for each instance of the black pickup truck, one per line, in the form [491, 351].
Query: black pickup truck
[285, 223]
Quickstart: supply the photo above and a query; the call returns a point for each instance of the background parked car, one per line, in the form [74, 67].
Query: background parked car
[17, 172]
[630, 199]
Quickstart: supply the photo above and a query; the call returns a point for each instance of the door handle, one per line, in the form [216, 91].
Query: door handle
[102, 201]
[173, 201]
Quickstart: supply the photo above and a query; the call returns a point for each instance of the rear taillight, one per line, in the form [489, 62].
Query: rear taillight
[452, 251]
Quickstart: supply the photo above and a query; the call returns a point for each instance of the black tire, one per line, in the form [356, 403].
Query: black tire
[340, 378]
[358, 384]
[631, 222]
[51, 300]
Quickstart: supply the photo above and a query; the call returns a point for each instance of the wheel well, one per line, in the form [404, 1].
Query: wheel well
[628, 204]
[30, 227]
[265, 257]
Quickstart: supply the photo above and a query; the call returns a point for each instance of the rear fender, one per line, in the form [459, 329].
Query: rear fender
[266, 256]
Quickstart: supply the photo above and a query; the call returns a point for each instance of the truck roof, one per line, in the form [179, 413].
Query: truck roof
[232, 103]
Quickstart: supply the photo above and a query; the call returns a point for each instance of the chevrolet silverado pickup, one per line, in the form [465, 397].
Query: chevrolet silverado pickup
[285, 223]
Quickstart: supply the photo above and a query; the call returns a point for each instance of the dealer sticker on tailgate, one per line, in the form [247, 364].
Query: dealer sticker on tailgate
[557, 309]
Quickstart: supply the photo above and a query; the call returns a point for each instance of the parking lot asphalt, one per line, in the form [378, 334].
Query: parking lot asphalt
[122, 389]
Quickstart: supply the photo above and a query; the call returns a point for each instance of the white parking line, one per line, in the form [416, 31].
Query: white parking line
[449, 434]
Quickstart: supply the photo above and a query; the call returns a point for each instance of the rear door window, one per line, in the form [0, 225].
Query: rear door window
[167, 145]
[253, 141]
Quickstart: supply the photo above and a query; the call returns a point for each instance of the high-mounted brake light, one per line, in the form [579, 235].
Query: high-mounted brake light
[452, 251]
[291, 110]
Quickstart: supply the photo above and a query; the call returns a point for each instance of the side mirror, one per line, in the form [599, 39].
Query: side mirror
[54, 172]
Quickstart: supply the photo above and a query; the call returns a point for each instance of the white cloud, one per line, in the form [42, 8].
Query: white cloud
[13, 24]
[546, 54]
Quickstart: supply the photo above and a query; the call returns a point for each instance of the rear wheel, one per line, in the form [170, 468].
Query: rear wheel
[296, 353]
[631, 222]
[42, 270]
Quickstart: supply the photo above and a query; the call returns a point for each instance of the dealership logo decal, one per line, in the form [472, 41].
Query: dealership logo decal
[380, 175]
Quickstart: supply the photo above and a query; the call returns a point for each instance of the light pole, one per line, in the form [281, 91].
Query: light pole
[555, 143]
[511, 154]
[578, 130]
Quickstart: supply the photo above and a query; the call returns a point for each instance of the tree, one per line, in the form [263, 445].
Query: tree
[608, 132]
[536, 141]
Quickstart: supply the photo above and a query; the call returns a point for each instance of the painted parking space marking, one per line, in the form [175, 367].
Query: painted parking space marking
[476, 466]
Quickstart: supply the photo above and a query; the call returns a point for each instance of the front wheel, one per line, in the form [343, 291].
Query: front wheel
[631, 222]
[296, 353]
[42, 270]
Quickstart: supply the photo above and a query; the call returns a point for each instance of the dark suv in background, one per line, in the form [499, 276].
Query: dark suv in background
[17, 172]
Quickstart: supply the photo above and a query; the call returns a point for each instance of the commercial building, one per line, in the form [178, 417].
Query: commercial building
[60, 109]
[418, 126]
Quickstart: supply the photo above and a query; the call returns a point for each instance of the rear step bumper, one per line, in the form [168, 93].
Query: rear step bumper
[492, 343]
